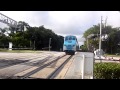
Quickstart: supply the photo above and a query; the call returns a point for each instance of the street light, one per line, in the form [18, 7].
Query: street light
[49, 43]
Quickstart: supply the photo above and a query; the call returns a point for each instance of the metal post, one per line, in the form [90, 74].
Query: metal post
[10, 45]
[30, 43]
[83, 75]
[49, 43]
[34, 44]
[100, 39]
[87, 44]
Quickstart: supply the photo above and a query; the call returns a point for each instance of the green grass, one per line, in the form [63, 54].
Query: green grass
[112, 55]
[19, 51]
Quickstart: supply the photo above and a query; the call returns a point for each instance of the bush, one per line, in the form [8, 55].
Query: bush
[117, 53]
[106, 71]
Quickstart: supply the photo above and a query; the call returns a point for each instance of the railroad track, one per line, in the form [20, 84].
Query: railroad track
[40, 68]
[56, 72]
[54, 65]
[25, 66]
[11, 66]
[6, 62]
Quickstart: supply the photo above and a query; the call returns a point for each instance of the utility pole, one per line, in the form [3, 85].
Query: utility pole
[30, 43]
[87, 44]
[34, 44]
[49, 43]
[100, 40]
[105, 22]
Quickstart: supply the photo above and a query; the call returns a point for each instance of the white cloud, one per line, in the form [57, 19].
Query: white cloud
[2, 25]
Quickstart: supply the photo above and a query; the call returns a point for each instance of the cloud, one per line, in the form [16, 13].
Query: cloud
[2, 25]
[65, 22]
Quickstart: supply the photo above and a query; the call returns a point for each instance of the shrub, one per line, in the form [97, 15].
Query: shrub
[106, 71]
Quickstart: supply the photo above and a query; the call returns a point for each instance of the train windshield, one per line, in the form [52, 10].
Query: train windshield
[73, 38]
[66, 38]
[70, 38]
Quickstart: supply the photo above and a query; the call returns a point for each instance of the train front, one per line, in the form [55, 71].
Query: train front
[69, 46]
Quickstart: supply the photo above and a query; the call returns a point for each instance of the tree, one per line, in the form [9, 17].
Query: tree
[4, 39]
[22, 25]
[37, 37]
[83, 48]
[110, 45]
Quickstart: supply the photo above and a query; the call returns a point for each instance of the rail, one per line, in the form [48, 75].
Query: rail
[38, 69]
[56, 71]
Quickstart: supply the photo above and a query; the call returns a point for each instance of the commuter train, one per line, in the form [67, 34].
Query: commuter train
[70, 45]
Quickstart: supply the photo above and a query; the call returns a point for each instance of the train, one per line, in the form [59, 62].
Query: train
[70, 45]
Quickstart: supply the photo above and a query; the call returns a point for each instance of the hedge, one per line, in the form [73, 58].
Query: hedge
[106, 71]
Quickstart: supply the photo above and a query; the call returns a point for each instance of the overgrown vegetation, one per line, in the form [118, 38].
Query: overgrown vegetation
[106, 71]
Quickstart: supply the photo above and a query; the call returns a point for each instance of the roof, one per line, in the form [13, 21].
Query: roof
[70, 35]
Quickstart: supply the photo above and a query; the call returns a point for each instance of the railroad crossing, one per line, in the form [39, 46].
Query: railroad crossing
[41, 65]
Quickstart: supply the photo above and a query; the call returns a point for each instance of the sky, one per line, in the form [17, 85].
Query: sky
[65, 22]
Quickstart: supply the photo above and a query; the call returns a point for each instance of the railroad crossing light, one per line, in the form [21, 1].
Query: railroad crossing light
[104, 37]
